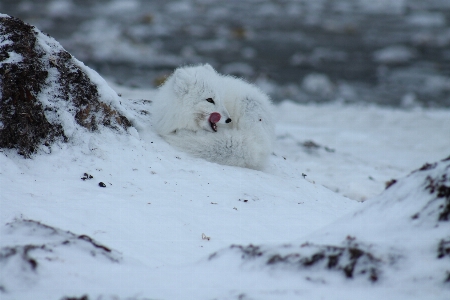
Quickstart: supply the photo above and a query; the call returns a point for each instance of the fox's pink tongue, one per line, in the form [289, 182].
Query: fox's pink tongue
[214, 117]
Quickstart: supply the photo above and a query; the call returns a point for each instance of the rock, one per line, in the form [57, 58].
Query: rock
[46, 92]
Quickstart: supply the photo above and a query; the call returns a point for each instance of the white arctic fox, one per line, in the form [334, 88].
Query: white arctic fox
[218, 118]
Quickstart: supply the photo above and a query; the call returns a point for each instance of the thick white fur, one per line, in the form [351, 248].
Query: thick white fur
[181, 112]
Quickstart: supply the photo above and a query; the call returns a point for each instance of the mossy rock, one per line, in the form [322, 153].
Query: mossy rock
[41, 84]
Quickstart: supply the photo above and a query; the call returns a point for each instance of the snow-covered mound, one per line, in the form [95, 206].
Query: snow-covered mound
[401, 236]
[35, 244]
[46, 94]
[351, 259]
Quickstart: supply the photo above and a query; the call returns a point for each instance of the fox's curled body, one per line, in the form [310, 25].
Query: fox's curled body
[182, 116]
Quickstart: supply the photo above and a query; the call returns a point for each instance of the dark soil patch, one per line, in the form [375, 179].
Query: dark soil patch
[390, 183]
[23, 252]
[443, 251]
[428, 166]
[87, 176]
[438, 186]
[84, 297]
[311, 146]
[444, 248]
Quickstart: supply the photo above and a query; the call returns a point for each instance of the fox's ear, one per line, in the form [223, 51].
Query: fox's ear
[209, 67]
[182, 82]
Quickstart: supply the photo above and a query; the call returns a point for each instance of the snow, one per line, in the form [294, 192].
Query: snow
[426, 19]
[13, 57]
[104, 43]
[60, 8]
[383, 6]
[318, 84]
[393, 54]
[158, 202]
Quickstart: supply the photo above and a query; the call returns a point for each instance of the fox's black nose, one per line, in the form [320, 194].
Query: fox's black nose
[228, 120]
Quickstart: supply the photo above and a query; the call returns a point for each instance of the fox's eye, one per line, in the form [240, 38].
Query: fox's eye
[210, 100]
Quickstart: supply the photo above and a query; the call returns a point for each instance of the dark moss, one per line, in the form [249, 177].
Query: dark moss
[390, 183]
[24, 253]
[444, 248]
[84, 297]
[428, 166]
[25, 126]
[93, 243]
[438, 186]
[351, 259]
[250, 251]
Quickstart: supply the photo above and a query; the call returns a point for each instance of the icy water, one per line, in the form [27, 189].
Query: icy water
[389, 52]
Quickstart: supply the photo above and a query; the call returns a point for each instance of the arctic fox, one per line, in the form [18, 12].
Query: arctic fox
[219, 118]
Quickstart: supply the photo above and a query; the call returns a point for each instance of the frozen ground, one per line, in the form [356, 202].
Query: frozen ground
[390, 52]
[163, 225]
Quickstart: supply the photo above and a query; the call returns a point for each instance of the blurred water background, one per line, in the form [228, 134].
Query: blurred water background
[388, 52]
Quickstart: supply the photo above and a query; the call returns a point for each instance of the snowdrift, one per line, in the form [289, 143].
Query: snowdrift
[405, 228]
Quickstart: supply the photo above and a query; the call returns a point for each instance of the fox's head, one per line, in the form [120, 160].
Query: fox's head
[200, 104]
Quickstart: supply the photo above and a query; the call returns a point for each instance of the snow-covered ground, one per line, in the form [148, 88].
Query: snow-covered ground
[163, 225]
